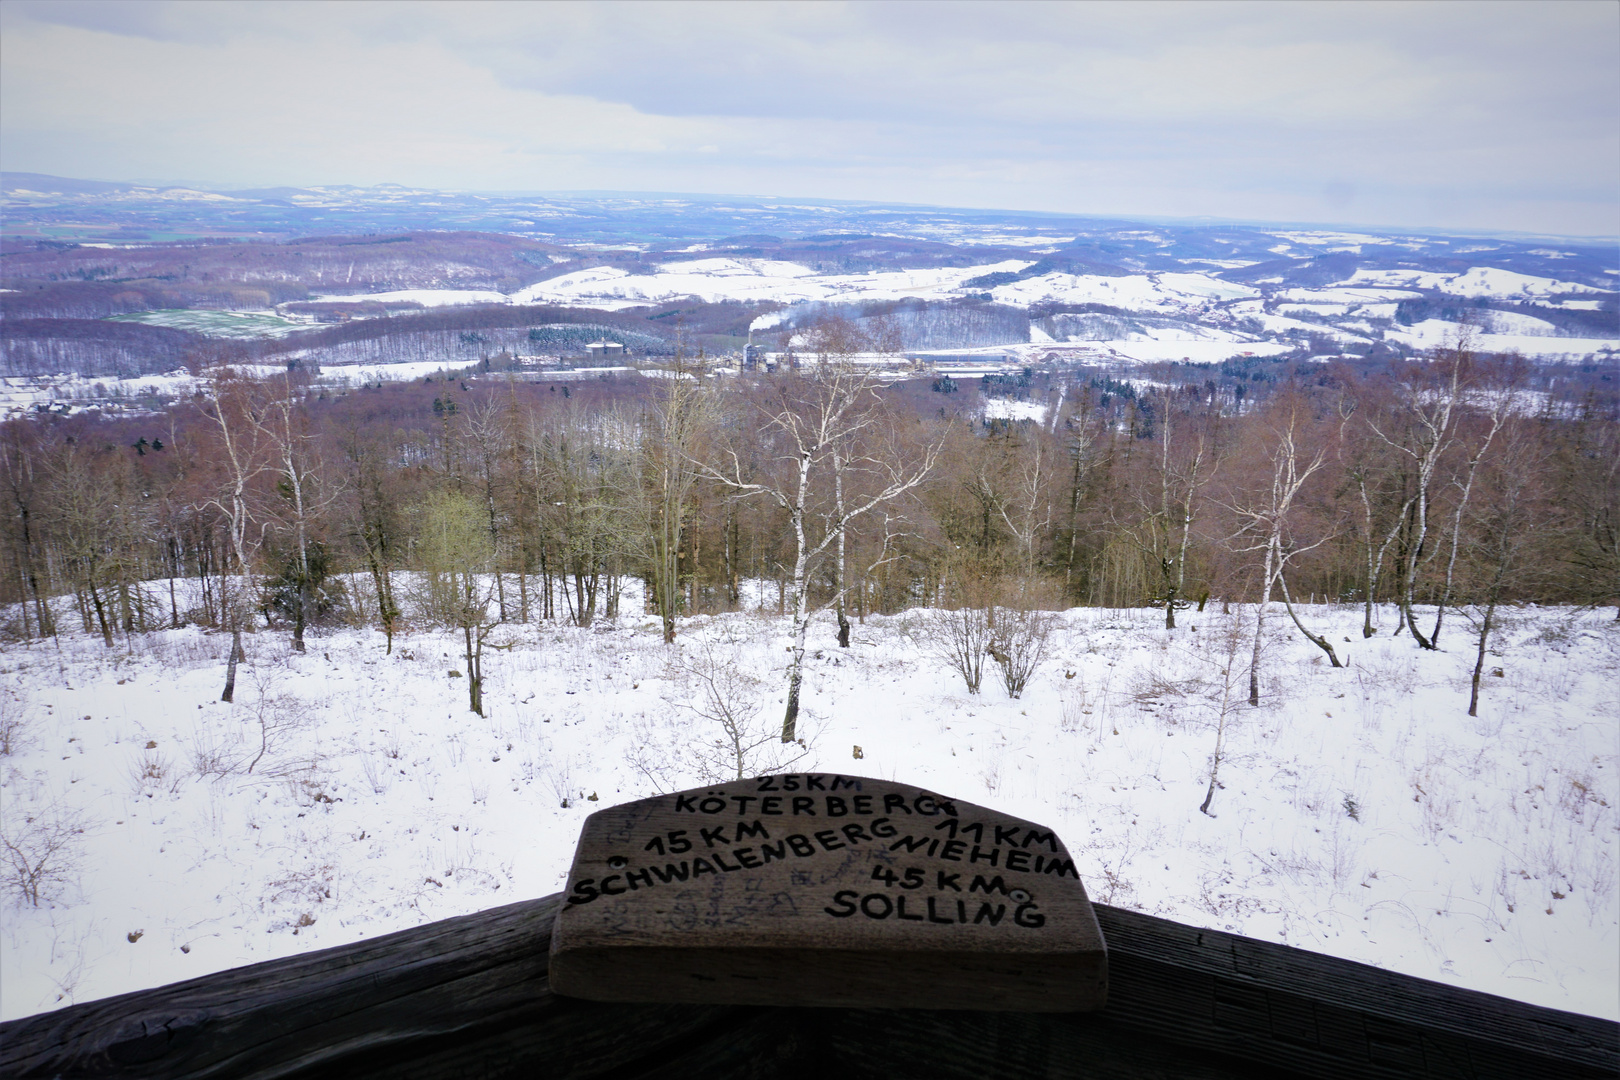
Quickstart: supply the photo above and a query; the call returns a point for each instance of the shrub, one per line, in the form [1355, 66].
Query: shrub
[42, 851]
[1018, 645]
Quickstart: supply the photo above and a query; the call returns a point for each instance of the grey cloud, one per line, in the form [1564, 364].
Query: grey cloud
[1504, 113]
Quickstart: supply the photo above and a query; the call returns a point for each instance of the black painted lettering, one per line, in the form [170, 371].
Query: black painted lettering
[1018, 860]
[1036, 837]
[813, 782]
[678, 843]
[777, 850]
[882, 829]
[914, 878]
[952, 851]
[863, 803]
[837, 807]
[892, 802]
[933, 846]
[711, 804]
[845, 899]
[801, 846]
[933, 916]
[711, 835]
[847, 782]
[883, 902]
[947, 881]
[655, 844]
[615, 890]
[771, 804]
[961, 912]
[804, 804]
[884, 874]
[948, 826]
[994, 885]
[1062, 868]
[701, 866]
[909, 843]
[1006, 836]
[645, 876]
[829, 840]
[900, 911]
[977, 829]
[1026, 915]
[766, 783]
[672, 872]
[977, 855]
[584, 892]
[790, 783]
[925, 805]
[742, 802]
[688, 803]
[719, 858]
[991, 914]
[854, 833]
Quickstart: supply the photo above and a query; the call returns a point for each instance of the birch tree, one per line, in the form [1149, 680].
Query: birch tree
[1268, 529]
[227, 404]
[809, 417]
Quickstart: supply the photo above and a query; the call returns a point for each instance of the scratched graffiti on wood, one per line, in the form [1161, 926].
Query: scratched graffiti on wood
[818, 889]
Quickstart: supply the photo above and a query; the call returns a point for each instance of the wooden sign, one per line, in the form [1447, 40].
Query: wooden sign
[814, 889]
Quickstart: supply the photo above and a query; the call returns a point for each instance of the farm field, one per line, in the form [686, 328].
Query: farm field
[347, 793]
[246, 325]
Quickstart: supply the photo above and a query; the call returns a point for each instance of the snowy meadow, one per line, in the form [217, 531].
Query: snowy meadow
[155, 834]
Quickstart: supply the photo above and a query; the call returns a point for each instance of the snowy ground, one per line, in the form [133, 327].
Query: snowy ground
[1362, 813]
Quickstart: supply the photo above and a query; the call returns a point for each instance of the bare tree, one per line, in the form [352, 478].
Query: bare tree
[1431, 397]
[1228, 638]
[1384, 505]
[283, 424]
[227, 403]
[456, 555]
[673, 432]
[1501, 557]
[811, 416]
[1267, 527]
[1588, 459]
[20, 456]
[1501, 402]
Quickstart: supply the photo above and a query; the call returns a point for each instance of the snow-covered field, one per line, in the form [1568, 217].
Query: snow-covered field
[348, 793]
[718, 279]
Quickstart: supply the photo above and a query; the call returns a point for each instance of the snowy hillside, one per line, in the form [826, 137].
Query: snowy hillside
[348, 793]
[401, 261]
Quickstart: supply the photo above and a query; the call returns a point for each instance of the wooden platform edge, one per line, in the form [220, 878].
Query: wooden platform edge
[469, 996]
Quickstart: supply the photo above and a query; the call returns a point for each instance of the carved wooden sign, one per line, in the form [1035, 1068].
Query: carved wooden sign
[815, 889]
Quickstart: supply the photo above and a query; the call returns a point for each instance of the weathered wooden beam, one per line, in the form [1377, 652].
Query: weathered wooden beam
[468, 997]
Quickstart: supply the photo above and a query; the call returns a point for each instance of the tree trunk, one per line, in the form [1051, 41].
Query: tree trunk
[801, 630]
[101, 614]
[230, 667]
[474, 696]
[1259, 630]
[1315, 639]
[843, 550]
[1479, 659]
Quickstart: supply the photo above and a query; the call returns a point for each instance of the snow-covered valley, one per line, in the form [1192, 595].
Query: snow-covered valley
[348, 793]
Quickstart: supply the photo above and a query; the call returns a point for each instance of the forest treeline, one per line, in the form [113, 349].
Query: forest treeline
[1443, 485]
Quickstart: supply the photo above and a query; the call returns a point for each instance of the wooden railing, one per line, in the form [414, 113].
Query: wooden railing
[468, 997]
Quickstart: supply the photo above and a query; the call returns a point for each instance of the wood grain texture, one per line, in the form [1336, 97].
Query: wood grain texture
[469, 997]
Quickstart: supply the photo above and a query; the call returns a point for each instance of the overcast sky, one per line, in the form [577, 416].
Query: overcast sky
[1495, 116]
